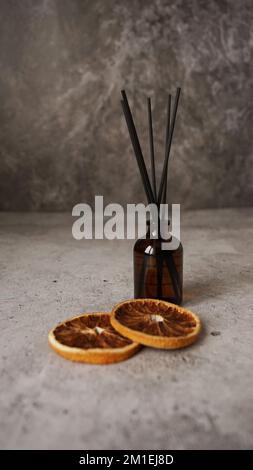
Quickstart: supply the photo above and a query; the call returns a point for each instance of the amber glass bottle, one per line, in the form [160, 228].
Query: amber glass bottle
[158, 273]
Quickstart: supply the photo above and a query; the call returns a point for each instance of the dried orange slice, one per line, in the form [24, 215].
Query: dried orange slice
[156, 323]
[91, 338]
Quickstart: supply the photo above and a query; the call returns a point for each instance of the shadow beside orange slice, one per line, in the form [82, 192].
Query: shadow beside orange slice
[156, 323]
[91, 338]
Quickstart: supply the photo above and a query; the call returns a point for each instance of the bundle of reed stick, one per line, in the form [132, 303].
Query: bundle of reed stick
[153, 196]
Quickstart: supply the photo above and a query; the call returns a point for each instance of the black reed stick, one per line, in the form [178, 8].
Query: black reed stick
[151, 145]
[166, 143]
[135, 145]
[159, 273]
[137, 148]
[172, 272]
[164, 174]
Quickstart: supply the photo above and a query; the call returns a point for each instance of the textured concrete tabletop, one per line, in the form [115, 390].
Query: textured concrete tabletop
[196, 398]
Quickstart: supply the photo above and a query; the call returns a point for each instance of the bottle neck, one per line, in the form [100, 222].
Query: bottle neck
[158, 231]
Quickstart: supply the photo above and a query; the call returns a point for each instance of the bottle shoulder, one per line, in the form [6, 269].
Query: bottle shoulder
[150, 246]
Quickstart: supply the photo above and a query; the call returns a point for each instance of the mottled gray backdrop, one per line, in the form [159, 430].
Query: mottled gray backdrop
[63, 63]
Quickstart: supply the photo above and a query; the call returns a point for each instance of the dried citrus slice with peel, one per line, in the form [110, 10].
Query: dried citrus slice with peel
[156, 323]
[91, 338]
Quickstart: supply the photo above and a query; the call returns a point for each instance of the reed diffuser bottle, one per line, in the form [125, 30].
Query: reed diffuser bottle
[158, 272]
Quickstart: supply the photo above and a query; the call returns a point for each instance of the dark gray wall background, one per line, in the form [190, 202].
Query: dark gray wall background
[63, 63]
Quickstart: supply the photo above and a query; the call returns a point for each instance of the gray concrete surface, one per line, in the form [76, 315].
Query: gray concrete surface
[196, 398]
